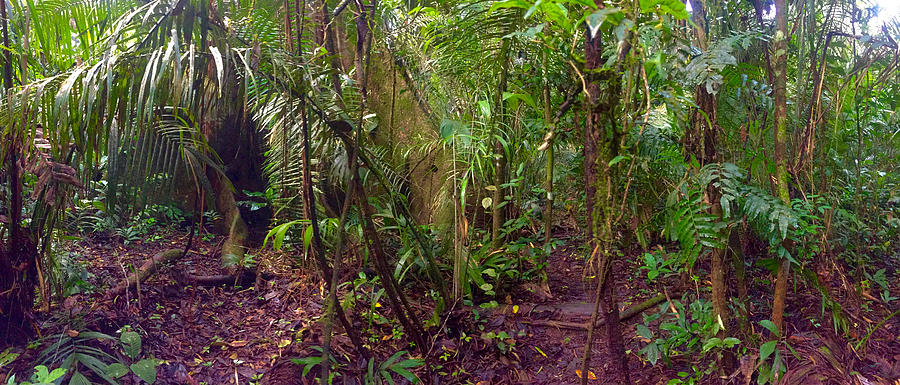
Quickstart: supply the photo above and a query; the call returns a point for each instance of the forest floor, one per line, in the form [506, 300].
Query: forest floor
[228, 335]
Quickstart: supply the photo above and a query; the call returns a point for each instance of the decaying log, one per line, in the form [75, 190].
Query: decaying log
[242, 277]
[146, 270]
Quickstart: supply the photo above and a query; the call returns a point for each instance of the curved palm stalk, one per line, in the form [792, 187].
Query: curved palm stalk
[331, 302]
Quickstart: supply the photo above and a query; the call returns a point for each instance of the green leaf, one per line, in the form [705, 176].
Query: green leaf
[307, 236]
[406, 373]
[116, 370]
[644, 331]
[509, 4]
[7, 357]
[79, 379]
[596, 19]
[712, 343]
[766, 350]
[278, 233]
[671, 7]
[651, 351]
[41, 372]
[618, 159]
[131, 341]
[145, 369]
[770, 326]
[557, 14]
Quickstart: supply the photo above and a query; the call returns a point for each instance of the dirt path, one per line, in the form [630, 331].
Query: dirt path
[549, 344]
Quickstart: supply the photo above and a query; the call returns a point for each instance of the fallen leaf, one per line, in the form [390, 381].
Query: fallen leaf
[238, 343]
[73, 333]
[591, 375]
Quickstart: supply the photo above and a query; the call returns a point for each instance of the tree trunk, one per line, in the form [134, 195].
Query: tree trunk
[736, 245]
[548, 125]
[780, 133]
[602, 139]
[18, 269]
[497, 217]
[701, 141]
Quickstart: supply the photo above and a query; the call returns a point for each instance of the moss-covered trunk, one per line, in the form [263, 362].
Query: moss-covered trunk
[602, 139]
[780, 134]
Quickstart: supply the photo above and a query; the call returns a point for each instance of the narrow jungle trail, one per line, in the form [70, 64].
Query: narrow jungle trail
[550, 328]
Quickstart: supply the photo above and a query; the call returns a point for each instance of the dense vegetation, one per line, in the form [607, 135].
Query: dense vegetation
[500, 191]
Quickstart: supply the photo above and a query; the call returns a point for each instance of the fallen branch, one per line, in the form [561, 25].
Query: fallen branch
[623, 316]
[152, 266]
[146, 270]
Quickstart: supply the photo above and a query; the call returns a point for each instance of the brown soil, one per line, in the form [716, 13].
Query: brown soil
[224, 335]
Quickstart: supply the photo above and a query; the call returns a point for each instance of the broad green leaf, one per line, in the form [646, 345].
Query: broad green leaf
[770, 326]
[731, 341]
[145, 369]
[116, 370]
[676, 8]
[712, 343]
[131, 341]
[596, 19]
[766, 350]
[644, 331]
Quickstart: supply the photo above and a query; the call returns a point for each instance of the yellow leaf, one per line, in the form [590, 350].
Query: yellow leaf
[233, 356]
[283, 343]
[377, 304]
[515, 309]
[591, 375]
[387, 337]
[238, 343]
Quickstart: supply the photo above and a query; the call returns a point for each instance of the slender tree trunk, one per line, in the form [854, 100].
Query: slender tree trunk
[602, 139]
[737, 245]
[308, 194]
[331, 302]
[780, 134]
[548, 125]
[701, 141]
[327, 32]
[497, 217]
